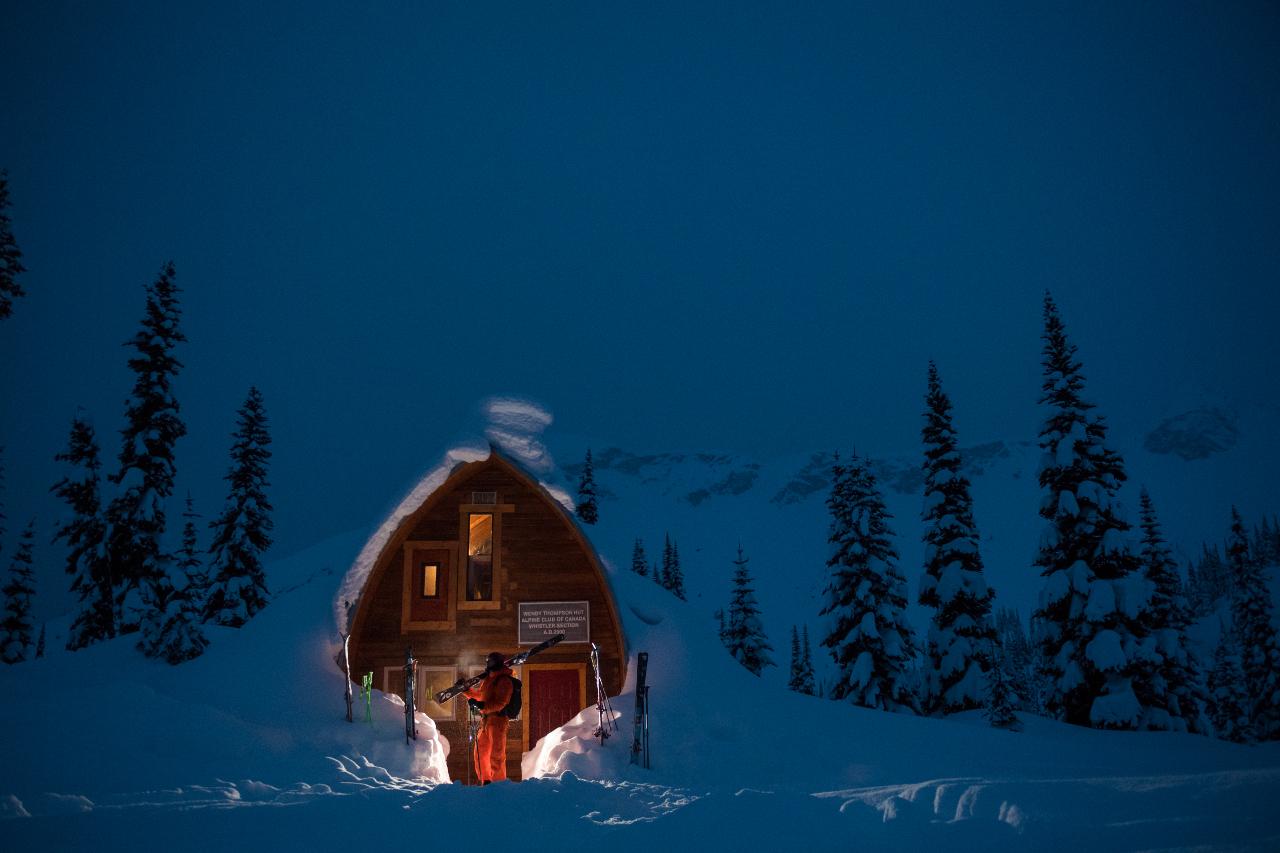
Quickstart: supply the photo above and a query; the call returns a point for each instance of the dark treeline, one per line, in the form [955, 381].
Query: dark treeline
[1107, 645]
[125, 578]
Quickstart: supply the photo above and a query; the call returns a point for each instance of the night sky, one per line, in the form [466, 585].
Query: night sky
[679, 226]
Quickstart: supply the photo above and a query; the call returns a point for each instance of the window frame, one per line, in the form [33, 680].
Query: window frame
[465, 511]
[422, 689]
[410, 593]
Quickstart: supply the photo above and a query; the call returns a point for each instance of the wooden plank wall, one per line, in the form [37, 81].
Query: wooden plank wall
[542, 561]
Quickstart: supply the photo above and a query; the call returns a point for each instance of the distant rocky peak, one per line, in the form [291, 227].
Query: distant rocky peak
[899, 473]
[1195, 434]
[696, 477]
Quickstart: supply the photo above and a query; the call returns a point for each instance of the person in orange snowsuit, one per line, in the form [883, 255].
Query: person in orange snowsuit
[492, 695]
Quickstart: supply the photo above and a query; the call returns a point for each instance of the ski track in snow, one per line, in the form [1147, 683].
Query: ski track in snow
[1215, 811]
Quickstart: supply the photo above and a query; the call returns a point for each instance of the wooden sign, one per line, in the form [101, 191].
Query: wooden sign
[541, 620]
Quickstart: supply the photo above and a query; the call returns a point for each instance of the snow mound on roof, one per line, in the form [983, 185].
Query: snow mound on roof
[516, 425]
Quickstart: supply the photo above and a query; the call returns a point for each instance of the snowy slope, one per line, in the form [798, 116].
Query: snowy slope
[246, 747]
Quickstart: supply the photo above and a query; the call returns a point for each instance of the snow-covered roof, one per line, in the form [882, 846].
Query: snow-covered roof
[514, 431]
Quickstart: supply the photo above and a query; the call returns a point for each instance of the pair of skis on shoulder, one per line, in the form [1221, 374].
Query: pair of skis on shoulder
[463, 685]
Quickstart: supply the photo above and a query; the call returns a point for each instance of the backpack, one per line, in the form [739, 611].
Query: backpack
[512, 709]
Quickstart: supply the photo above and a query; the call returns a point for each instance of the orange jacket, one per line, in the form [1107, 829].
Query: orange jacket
[495, 692]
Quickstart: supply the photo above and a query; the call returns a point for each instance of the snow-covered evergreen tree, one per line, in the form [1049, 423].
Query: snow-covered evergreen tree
[958, 648]
[173, 631]
[808, 684]
[40, 642]
[639, 564]
[1228, 693]
[1000, 700]
[136, 516]
[85, 536]
[672, 573]
[15, 639]
[1174, 696]
[238, 584]
[796, 670]
[1095, 640]
[1018, 659]
[194, 579]
[1259, 652]
[1209, 585]
[745, 632]
[10, 255]
[865, 597]
[588, 509]
[801, 674]
[662, 573]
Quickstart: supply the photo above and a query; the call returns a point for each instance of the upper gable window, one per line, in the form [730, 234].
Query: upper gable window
[480, 530]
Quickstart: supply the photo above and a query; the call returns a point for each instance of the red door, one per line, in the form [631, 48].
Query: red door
[553, 697]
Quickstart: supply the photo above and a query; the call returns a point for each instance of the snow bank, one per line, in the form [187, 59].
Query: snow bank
[262, 707]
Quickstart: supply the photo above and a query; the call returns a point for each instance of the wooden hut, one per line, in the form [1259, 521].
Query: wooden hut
[489, 561]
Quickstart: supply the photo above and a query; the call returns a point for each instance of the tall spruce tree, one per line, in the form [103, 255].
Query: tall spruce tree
[1258, 649]
[663, 573]
[801, 673]
[136, 516]
[1095, 641]
[1174, 696]
[1000, 700]
[10, 255]
[675, 577]
[865, 597]
[15, 639]
[796, 669]
[238, 584]
[808, 685]
[84, 534]
[1228, 692]
[1210, 583]
[190, 565]
[588, 508]
[639, 565]
[744, 631]
[958, 648]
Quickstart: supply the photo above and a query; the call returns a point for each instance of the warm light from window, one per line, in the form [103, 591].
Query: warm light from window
[480, 557]
[430, 580]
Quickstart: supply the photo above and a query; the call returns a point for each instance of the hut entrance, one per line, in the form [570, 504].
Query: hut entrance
[554, 694]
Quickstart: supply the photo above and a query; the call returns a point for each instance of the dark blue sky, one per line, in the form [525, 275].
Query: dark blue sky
[678, 225]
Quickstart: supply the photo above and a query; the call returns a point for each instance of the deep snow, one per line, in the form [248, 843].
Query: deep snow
[247, 748]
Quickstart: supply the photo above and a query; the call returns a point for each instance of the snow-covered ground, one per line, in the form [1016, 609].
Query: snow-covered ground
[247, 747]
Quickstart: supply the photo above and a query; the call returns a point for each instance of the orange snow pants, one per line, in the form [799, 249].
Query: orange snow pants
[491, 749]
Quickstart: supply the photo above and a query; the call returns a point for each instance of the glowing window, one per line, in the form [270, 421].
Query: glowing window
[480, 557]
[430, 580]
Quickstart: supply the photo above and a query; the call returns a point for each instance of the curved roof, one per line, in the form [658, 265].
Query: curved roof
[455, 466]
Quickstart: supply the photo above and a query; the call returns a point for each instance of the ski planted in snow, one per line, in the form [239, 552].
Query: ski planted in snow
[640, 746]
[512, 662]
[410, 689]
